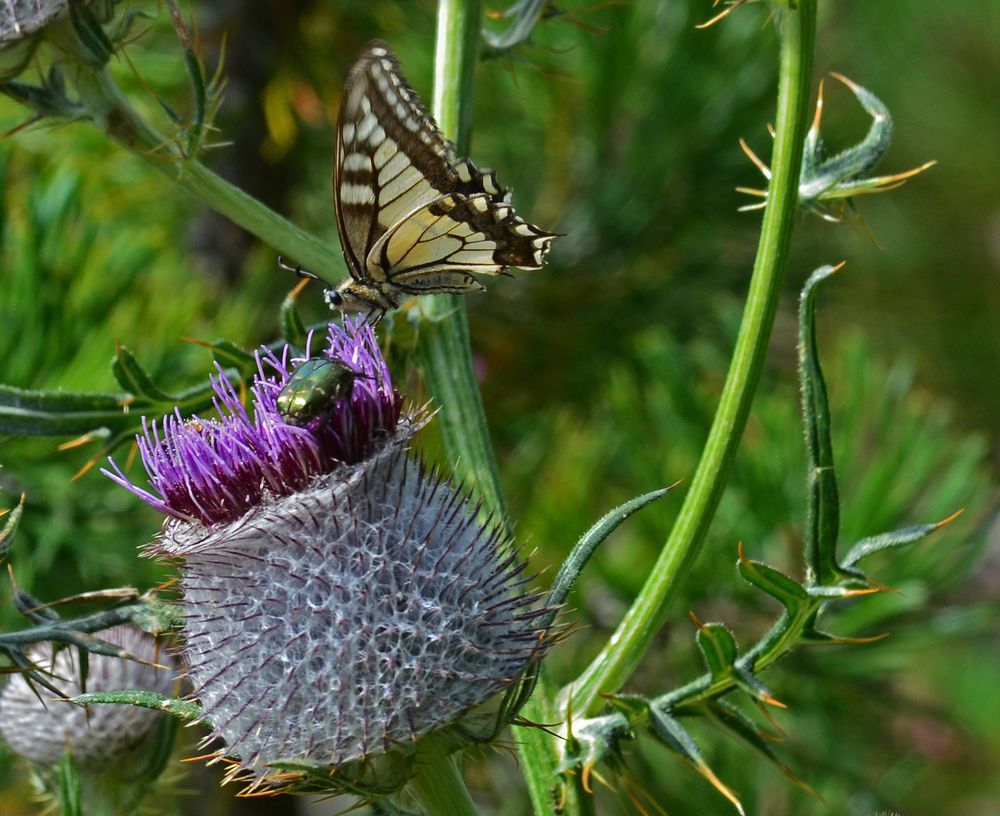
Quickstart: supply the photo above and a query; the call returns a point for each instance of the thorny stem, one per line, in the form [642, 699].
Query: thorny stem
[112, 113]
[445, 350]
[627, 646]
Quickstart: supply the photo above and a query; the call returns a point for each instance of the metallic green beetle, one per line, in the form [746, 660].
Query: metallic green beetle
[313, 388]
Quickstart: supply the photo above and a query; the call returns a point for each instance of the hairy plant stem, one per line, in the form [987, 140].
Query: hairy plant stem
[627, 646]
[445, 350]
[112, 113]
[438, 784]
[446, 359]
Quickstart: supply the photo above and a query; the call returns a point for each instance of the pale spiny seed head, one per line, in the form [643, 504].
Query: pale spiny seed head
[22, 18]
[99, 737]
[343, 620]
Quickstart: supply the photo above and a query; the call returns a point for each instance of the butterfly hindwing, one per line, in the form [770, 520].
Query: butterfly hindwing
[460, 233]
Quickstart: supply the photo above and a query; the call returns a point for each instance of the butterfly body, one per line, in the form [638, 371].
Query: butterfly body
[414, 219]
[313, 388]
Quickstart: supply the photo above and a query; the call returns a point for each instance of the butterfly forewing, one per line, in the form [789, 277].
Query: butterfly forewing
[390, 157]
[411, 216]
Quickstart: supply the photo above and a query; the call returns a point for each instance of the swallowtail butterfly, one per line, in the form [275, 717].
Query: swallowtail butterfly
[413, 218]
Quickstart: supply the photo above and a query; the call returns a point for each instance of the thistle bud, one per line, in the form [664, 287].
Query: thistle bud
[101, 737]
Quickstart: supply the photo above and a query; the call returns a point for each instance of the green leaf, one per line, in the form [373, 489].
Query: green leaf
[589, 542]
[670, 732]
[635, 707]
[98, 47]
[184, 710]
[859, 159]
[718, 647]
[823, 508]
[156, 616]
[226, 350]
[752, 685]
[886, 541]
[194, 71]
[67, 786]
[732, 720]
[292, 328]
[83, 658]
[58, 413]
[10, 529]
[526, 14]
[790, 593]
[134, 378]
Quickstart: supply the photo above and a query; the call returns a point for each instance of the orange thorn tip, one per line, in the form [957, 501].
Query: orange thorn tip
[755, 158]
[856, 593]
[880, 587]
[80, 441]
[87, 466]
[950, 518]
[196, 341]
[740, 553]
[721, 15]
[773, 701]
[849, 83]
[721, 787]
[585, 778]
[861, 641]
[817, 118]
[694, 618]
[297, 290]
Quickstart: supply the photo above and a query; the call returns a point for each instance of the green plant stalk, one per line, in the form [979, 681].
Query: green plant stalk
[113, 113]
[625, 649]
[438, 785]
[446, 358]
[445, 351]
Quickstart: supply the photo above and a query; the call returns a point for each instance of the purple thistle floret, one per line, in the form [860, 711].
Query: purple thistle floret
[215, 470]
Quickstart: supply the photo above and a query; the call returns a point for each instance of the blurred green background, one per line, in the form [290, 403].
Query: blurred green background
[618, 126]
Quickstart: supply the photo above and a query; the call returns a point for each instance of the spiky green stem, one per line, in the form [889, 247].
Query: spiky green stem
[109, 110]
[445, 351]
[626, 648]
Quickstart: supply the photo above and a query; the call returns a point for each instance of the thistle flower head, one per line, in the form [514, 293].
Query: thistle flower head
[351, 617]
[101, 736]
[215, 470]
[340, 600]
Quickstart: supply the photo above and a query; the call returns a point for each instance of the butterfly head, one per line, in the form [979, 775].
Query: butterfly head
[354, 296]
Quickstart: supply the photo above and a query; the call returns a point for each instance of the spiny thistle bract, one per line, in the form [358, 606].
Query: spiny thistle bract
[337, 609]
[101, 737]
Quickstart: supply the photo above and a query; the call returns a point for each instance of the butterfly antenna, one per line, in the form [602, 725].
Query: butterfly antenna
[301, 272]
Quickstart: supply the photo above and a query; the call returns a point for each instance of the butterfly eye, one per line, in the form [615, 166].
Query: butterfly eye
[333, 298]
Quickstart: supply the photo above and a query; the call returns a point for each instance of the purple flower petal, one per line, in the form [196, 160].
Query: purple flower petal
[215, 470]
